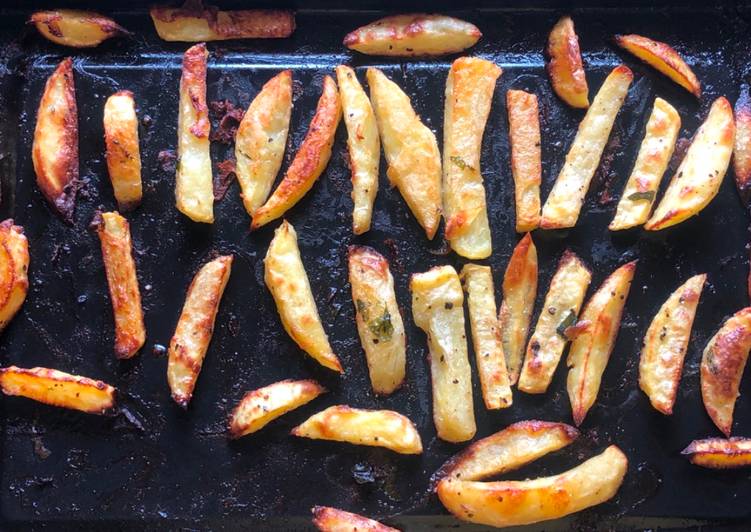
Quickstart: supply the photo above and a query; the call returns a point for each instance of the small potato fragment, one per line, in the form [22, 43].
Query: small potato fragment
[260, 407]
[722, 365]
[720, 453]
[376, 428]
[14, 268]
[310, 160]
[526, 157]
[75, 28]
[123, 154]
[288, 283]
[195, 327]
[328, 519]
[742, 149]
[57, 388]
[379, 322]
[565, 67]
[469, 93]
[665, 345]
[413, 34]
[698, 178]
[411, 151]
[486, 336]
[437, 308]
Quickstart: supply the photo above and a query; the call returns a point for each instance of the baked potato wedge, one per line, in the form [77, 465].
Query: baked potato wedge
[189, 344]
[437, 308]
[720, 453]
[559, 311]
[55, 148]
[742, 149]
[14, 270]
[561, 210]
[310, 160]
[122, 151]
[665, 345]
[57, 388]
[411, 151]
[469, 93]
[565, 66]
[376, 428]
[260, 407]
[75, 28]
[526, 157]
[722, 365]
[379, 322]
[328, 519]
[698, 178]
[288, 283]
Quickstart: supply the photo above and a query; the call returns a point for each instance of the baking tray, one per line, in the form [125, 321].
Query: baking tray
[155, 466]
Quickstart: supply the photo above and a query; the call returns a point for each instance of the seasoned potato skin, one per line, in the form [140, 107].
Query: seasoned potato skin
[14, 269]
[565, 66]
[122, 151]
[526, 157]
[75, 28]
[328, 519]
[742, 150]
[720, 453]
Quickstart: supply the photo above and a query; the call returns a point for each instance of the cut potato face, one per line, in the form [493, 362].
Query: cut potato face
[376, 428]
[654, 155]
[665, 345]
[260, 407]
[379, 321]
[123, 154]
[437, 308]
[561, 210]
[288, 283]
[565, 66]
[413, 35]
[328, 519]
[411, 151]
[720, 453]
[469, 93]
[698, 178]
[742, 149]
[559, 312]
[195, 327]
[76, 28]
[722, 366]
[526, 157]
[14, 270]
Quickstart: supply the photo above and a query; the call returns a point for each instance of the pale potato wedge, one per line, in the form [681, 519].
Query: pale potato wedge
[663, 58]
[742, 149]
[57, 388]
[123, 153]
[655, 152]
[364, 146]
[486, 336]
[260, 407]
[194, 188]
[288, 283]
[519, 293]
[328, 519]
[562, 303]
[379, 321]
[698, 178]
[522, 502]
[413, 34]
[665, 344]
[590, 349]
[720, 453]
[75, 28]
[55, 148]
[117, 255]
[722, 365]
[14, 270]
[469, 93]
[189, 344]
[376, 428]
[526, 157]
[565, 66]
[411, 151]
[437, 308]
[561, 210]
[310, 160]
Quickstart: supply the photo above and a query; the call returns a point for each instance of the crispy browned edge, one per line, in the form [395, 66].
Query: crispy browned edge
[322, 514]
[6, 226]
[51, 17]
[194, 80]
[573, 54]
[114, 151]
[725, 447]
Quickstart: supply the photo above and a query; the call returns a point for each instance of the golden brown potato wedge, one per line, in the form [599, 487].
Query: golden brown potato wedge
[55, 148]
[14, 269]
[195, 327]
[364, 146]
[565, 66]
[376, 428]
[521, 502]
[698, 178]
[123, 154]
[57, 388]
[722, 366]
[742, 149]
[413, 34]
[720, 453]
[561, 210]
[310, 160]
[379, 322]
[411, 151]
[663, 58]
[526, 157]
[469, 93]
[76, 28]
[328, 519]
[562, 303]
[260, 407]
[665, 345]
[117, 254]
[437, 308]
[654, 155]
[595, 339]
[486, 336]
[288, 283]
